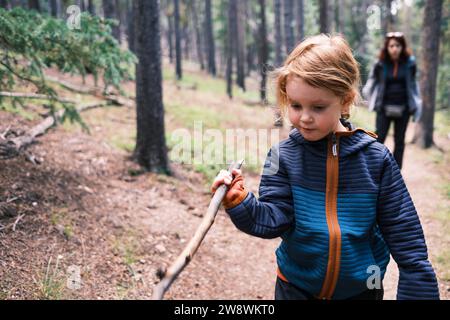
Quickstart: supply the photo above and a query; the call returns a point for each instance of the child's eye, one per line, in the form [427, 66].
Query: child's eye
[296, 106]
[319, 108]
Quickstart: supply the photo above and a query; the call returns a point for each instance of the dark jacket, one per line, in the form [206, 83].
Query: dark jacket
[341, 207]
[374, 88]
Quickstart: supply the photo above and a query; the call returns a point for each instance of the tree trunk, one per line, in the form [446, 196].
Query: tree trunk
[358, 22]
[240, 45]
[198, 38]
[211, 51]
[431, 29]
[131, 32]
[91, 7]
[122, 12]
[82, 5]
[54, 8]
[230, 47]
[151, 150]
[289, 25]
[330, 15]
[323, 10]
[300, 20]
[110, 12]
[186, 40]
[340, 16]
[251, 45]
[4, 4]
[263, 50]
[407, 15]
[178, 69]
[34, 5]
[15, 3]
[388, 18]
[170, 34]
[278, 34]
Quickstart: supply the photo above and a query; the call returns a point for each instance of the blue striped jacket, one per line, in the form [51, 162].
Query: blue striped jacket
[341, 207]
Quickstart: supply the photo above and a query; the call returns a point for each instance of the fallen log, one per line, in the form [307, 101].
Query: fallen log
[119, 100]
[96, 91]
[76, 88]
[11, 147]
[168, 276]
[26, 95]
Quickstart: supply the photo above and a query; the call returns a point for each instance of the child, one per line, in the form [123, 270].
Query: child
[331, 192]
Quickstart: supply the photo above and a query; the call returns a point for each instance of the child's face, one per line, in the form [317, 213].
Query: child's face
[315, 112]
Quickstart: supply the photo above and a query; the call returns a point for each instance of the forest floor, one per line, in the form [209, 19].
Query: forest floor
[88, 206]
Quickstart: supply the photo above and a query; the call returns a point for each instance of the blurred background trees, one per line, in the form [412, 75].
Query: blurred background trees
[228, 39]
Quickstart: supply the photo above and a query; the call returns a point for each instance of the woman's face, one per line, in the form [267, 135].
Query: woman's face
[315, 112]
[394, 49]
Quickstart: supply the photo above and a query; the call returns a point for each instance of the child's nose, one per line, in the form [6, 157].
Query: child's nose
[305, 117]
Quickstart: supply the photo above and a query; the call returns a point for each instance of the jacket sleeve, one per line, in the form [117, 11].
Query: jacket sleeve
[273, 213]
[416, 96]
[372, 81]
[402, 231]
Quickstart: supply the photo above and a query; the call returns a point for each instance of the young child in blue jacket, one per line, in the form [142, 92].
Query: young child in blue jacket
[333, 194]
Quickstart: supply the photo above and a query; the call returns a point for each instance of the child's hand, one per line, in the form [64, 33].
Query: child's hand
[236, 190]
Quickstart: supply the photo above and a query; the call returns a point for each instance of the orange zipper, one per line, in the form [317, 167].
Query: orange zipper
[334, 252]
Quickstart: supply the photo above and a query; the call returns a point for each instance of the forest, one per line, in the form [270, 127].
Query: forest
[116, 117]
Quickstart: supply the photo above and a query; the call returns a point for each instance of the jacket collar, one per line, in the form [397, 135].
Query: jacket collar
[350, 141]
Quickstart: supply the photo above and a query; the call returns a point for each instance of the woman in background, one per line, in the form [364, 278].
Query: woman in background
[392, 91]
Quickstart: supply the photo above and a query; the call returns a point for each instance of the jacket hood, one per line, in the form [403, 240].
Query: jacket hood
[350, 142]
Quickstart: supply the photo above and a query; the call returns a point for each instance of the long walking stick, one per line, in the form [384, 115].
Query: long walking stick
[191, 248]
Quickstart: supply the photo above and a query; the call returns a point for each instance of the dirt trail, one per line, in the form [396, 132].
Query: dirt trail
[86, 204]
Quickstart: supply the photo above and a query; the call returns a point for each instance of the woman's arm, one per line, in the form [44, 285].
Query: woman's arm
[414, 87]
[372, 81]
[402, 231]
[273, 213]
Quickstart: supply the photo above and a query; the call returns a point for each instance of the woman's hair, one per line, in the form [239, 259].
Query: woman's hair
[322, 61]
[400, 38]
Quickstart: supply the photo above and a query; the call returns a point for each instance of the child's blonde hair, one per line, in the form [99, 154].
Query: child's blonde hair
[323, 61]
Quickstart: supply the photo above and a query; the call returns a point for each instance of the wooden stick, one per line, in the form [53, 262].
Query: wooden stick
[191, 248]
[26, 95]
[17, 220]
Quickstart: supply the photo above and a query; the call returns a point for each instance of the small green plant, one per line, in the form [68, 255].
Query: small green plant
[51, 286]
[126, 246]
[57, 216]
[68, 231]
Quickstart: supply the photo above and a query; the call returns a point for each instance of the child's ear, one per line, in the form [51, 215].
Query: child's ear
[345, 113]
[347, 100]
